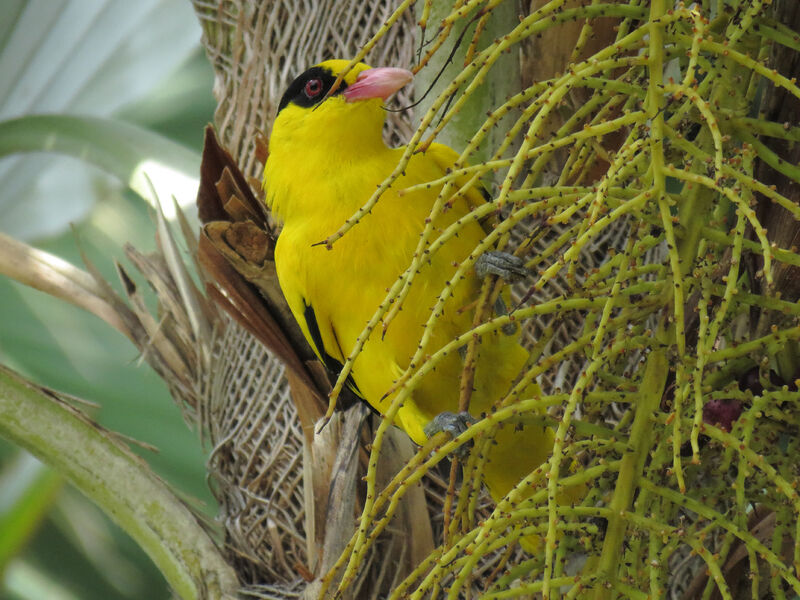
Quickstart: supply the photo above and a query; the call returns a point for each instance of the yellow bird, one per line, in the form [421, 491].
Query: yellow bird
[326, 158]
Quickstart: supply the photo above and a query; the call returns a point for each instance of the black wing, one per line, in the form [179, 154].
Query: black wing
[332, 364]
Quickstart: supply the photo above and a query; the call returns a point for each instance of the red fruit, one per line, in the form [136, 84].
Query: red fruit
[722, 413]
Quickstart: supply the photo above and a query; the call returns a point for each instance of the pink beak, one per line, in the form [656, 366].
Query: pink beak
[377, 83]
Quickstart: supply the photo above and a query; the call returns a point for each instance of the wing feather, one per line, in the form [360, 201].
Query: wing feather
[314, 337]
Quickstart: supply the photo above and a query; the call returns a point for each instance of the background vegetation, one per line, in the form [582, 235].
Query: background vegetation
[141, 63]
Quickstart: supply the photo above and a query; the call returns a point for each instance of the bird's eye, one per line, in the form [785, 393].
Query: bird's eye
[313, 88]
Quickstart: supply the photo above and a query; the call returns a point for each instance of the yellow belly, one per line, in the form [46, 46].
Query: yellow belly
[347, 284]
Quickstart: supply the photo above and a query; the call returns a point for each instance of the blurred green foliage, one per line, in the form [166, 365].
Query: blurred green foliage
[76, 551]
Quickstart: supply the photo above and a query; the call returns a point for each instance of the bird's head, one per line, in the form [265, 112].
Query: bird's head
[308, 114]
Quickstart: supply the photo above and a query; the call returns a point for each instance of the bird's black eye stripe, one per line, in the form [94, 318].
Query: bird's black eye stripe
[296, 92]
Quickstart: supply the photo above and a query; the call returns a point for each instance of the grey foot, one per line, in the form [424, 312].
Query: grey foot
[453, 423]
[505, 265]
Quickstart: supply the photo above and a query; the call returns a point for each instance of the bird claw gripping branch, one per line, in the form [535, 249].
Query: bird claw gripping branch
[511, 268]
[453, 423]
